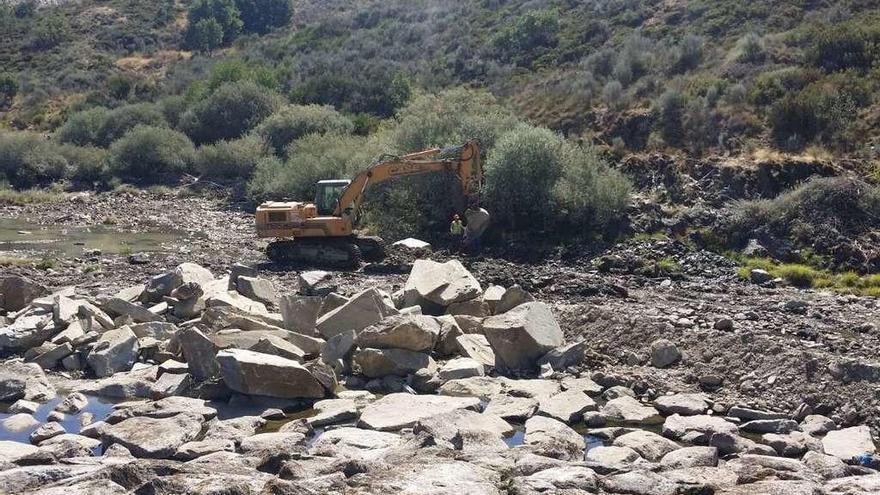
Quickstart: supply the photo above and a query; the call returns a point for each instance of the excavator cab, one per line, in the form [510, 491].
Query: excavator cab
[327, 195]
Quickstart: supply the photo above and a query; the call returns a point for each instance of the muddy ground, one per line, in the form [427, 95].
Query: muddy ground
[778, 348]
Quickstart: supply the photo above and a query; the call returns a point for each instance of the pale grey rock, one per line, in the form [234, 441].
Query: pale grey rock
[251, 372]
[521, 336]
[552, 438]
[442, 283]
[649, 445]
[630, 410]
[376, 363]
[400, 410]
[849, 442]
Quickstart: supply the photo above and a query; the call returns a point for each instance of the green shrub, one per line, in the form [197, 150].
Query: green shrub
[613, 94]
[229, 71]
[24, 9]
[687, 54]
[151, 154]
[317, 157]
[773, 85]
[260, 16]
[750, 49]
[376, 89]
[172, 108]
[49, 31]
[450, 118]
[206, 35]
[88, 164]
[224, 12]
[291, 122]
[29, 160]
[669, 109]
[817, 111]
[841, 46]
[521, 173]
[228, 113]
[822, 208]
[8, 88]
[117, 122]
[229, 159]
[529, 32]
[591, 194]
[82, 128]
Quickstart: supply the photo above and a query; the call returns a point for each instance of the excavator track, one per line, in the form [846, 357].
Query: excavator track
[332, 254]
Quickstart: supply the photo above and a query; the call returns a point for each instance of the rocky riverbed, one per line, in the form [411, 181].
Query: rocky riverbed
[202, 368]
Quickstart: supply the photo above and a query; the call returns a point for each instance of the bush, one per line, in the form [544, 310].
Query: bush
[228, 71]
[229, 159]
[83, 128]
[826, 207]
[377, 89]
[529, 32]
[292, 122]
[818, 111]
[450, 118]
[613, 94]
[49, 32]
[669, 109]
[8, 88]
[119, 121]
[750, 49]
[28, 160]
[841, 46]
[224, 12]
[520, 175]
[260, 16]
[151, 154]
[591, 194]
[688, 54]
[318, 157]
[230, 112]
[771, 86]
[88, 164]
[207, 35]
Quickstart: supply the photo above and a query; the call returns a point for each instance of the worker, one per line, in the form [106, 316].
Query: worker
[477, 222]
[457, 230]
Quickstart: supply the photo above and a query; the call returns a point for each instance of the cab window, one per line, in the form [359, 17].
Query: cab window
[327, 197]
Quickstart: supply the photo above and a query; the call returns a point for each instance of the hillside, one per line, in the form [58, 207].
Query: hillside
[659, 74]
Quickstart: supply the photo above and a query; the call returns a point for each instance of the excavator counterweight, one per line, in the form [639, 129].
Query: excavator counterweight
[323, 232]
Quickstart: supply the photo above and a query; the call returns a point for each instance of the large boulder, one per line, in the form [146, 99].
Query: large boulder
[153, 437]
[411, 332]
[649, 445]
[849, 442]
[17, 292]
[138, 314]
[116, 350]
[629, 410]
[476, 347]
[199, 352]
[446, 426]
[568, 407]
[258, 289]
[442, 283]
[254, 373]
[364, 309]
[552, 438]
[376, 363]
[698, 429]
[162, 285]
[25, 332]
[523, 335]
[397, 411]
[300, 313]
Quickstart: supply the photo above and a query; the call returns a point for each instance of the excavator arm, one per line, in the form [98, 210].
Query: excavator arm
[464, 162]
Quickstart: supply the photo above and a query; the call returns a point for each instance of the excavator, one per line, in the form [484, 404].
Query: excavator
[323, 233]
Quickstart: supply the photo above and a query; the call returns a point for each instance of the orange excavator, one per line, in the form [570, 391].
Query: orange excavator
[323, 232]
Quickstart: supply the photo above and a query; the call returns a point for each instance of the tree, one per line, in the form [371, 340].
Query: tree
[208, 35]
[151, 154]
[521, 173]
[224, 12]
[527, 33]
[230, 112]
[260, 16]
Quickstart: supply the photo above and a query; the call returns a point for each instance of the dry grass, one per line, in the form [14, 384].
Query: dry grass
[30, 196]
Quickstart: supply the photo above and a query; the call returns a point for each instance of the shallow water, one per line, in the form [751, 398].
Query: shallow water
[100, 407]
[17, 235]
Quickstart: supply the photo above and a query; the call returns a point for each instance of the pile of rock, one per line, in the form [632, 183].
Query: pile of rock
[202, 334]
